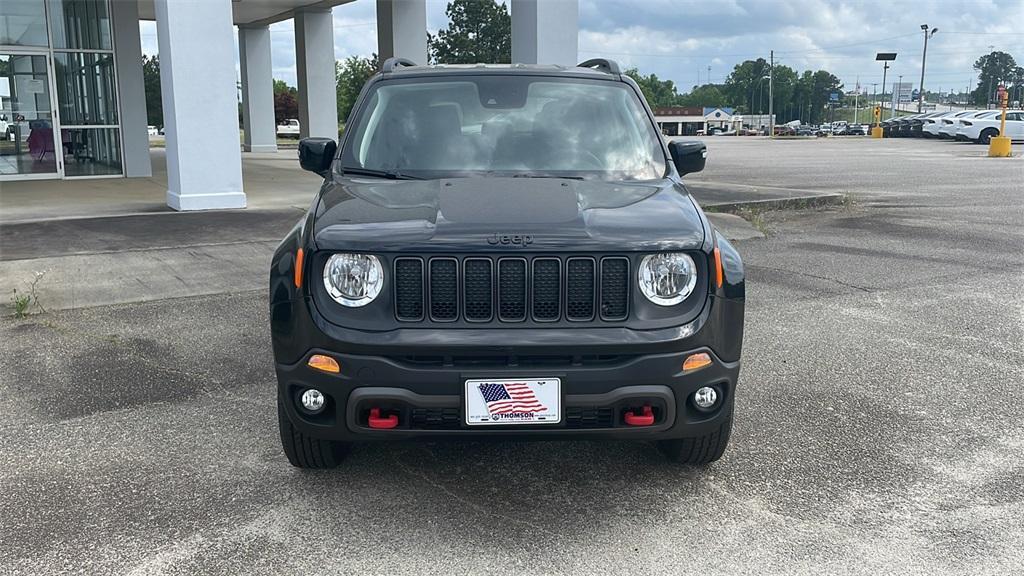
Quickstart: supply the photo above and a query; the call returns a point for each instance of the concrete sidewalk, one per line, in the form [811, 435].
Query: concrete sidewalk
[270, 181]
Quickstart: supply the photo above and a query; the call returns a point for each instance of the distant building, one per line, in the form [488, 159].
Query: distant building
[720, 119]
[680, 120]
[694, 120]
[757, 121]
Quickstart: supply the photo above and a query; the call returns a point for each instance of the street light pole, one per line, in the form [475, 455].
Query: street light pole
[924, 56]
[771, 94]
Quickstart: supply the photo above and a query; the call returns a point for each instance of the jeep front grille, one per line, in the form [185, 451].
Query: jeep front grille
[511, 289]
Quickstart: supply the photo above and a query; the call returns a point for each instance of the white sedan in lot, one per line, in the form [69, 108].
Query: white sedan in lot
[952, 124]
[931, 126]
[982, 129]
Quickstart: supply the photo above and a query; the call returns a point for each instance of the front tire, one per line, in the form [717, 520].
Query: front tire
[699, 450]
[306, 451]
[987, 135]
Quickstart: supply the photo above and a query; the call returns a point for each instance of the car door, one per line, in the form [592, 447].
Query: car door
[1015, 125]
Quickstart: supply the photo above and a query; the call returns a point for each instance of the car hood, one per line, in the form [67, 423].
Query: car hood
[488, 213]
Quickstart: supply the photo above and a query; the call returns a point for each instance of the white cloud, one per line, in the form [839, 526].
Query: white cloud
[679, 39]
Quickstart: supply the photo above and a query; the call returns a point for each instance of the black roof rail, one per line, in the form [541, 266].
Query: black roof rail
[391, 63]
[604, 64]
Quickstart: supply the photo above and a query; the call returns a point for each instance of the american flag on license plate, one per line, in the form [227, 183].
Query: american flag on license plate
[510, 398]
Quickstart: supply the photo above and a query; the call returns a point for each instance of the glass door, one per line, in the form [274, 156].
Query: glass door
[31, 146]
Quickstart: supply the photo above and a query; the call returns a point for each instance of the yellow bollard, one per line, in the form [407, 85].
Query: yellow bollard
[876, 132]
[999, 147]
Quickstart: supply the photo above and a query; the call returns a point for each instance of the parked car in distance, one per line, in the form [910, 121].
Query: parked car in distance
[484, 259]
[152, 131]
[288, 129]
[916, 125]
[958, 133]
[857, 130]
[983, 128]
[952, 124]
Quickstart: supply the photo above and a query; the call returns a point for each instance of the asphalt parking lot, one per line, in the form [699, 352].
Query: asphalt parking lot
[878, 426]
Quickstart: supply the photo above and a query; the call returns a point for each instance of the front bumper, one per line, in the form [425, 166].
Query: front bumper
[428, 400]
[419, 376]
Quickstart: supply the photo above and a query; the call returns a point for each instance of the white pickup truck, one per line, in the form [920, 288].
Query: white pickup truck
[288, 129]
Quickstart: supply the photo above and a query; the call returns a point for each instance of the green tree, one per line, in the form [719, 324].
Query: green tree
[151, 83]
[659, 93]
[350, 75]
[478, 31]
[784, 80]
[992, 69]
[746, 87]
[820, 85]
[706, 95]
[286, 104]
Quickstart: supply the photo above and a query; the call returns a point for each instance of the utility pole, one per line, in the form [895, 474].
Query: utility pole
[856, 95]
[988, 91]
[897, 94]
[771, 93]
[924, 55]
[709, 75]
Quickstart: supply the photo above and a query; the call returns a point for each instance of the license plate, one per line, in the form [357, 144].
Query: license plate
[513, 401]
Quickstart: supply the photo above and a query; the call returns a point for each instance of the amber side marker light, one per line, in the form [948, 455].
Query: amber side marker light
[696, 362]
[324, 363]
[718, 268]
[299, 256]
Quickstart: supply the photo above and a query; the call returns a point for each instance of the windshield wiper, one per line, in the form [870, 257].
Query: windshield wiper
[378, 173]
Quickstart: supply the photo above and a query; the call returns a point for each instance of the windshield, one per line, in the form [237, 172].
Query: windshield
[505, 125]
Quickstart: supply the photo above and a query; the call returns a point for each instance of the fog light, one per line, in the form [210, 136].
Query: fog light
[313, 400]
[705, 398]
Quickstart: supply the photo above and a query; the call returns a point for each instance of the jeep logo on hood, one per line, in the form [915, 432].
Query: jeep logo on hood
[517, 240]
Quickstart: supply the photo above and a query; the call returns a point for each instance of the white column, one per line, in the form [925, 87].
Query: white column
[131, 89]
[257, 89]
[197, 82]
[314, 60]
[402, 30]
[545, 31]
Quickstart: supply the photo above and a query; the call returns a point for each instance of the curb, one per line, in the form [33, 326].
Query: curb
[791, 203]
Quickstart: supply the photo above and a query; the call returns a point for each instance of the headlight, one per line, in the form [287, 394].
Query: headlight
[667, 279]
[353, 279]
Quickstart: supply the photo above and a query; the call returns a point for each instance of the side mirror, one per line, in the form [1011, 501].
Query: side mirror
[316, 154]
[688, 155]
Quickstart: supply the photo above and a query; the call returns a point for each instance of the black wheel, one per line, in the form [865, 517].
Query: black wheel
[305, 451]
[700, 450]
[987, 135]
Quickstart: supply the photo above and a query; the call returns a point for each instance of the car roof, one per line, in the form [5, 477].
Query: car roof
[408, 71]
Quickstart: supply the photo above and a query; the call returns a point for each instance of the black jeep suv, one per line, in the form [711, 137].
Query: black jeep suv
[504, 251]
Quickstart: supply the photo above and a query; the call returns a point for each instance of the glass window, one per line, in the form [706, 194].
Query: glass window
[506, 125]
[85, 88]
[22, 23]
[91, 151]
[28, 144]
[80, 24]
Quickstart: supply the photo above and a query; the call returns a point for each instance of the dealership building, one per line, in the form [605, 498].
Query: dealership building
[693, 120]
[72, 98]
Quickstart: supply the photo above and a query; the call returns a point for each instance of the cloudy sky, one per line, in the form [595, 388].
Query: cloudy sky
[680, 39]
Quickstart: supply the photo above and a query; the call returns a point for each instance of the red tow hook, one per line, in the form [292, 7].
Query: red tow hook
[646, 418]
[384, 423]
